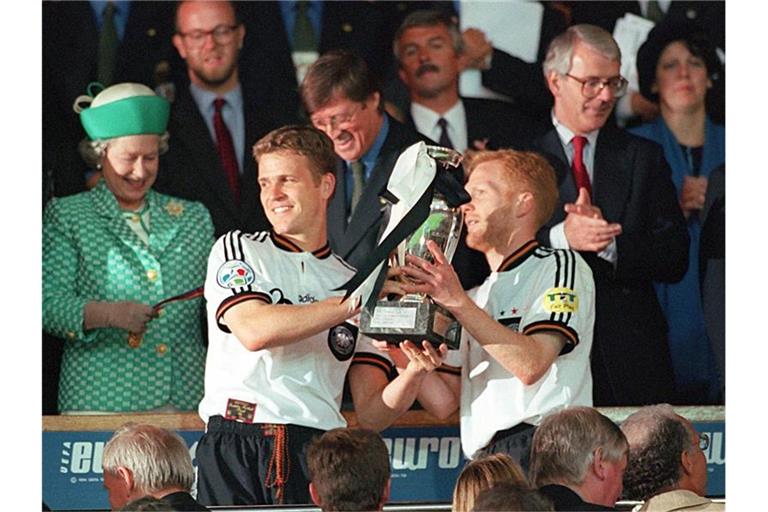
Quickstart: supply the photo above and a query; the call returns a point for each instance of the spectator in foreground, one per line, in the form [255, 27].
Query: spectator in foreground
[143, 460]
[349, 470]
[485, 473]
[578, 459]
[668, 468]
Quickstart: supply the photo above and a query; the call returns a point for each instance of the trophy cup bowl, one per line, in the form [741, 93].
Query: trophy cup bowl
[416, 316]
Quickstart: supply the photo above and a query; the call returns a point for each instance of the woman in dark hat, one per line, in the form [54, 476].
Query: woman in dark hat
[111, 254]
[677, 65]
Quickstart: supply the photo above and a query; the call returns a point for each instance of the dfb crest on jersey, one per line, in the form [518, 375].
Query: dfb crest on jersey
[341, 340]
[234, 274]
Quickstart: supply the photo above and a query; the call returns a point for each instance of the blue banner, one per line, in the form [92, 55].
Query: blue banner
[425, 464]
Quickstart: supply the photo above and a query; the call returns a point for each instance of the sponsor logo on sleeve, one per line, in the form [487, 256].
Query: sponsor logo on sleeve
[561, 300]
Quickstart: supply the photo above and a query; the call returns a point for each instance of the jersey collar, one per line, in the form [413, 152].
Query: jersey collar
[519, 256]
[283, 243]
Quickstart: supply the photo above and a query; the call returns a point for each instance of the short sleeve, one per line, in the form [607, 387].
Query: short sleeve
[232, 278]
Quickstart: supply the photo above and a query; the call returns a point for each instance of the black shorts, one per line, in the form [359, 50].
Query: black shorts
[253, 464]
[515, 441]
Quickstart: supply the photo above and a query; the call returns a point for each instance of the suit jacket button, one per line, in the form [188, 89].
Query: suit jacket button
[151, 274]
[161, 349]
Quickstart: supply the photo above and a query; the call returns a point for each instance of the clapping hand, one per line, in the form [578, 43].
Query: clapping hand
[585, 228]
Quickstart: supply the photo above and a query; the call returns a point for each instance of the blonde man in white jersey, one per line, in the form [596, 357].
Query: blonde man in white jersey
[528, 327]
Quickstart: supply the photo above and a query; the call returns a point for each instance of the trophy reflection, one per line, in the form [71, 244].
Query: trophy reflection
[416, 316]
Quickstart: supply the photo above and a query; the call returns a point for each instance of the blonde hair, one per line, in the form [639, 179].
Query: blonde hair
[483, 473]
[522, 168]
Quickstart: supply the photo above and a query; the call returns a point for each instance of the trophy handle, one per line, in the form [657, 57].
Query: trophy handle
[446, 156]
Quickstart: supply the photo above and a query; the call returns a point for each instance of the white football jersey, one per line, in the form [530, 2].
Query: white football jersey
[300, 383]
[535, 289]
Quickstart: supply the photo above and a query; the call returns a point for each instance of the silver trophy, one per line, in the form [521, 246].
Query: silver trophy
[416, 316]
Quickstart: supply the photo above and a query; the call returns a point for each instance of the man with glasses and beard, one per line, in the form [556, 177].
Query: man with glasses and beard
[214, 121]
[618, 208]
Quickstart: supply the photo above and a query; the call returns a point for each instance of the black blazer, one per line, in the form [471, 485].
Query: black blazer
[355, 239]
[564, 498]
[631, 363]
[191, 168]
[498, 123]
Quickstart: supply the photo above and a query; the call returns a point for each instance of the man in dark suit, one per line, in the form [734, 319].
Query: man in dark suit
[619, 210]
[342, 99]
[213, 122]
[429, 50]
[519, 81]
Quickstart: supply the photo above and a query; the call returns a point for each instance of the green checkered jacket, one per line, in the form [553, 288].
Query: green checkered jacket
[91, 254]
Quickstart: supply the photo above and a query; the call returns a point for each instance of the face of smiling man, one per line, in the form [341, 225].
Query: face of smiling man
[352, 126]
[209, 39]
[293, 198]
[580, 114]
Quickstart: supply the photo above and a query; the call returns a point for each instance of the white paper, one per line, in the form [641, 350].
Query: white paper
[511, 26]
[630, 33]
[393, 318]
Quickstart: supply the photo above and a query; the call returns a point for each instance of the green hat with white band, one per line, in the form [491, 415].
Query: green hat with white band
[123, 109]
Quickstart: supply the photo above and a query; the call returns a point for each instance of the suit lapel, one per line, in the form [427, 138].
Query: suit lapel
[364, 218]
[202, 149]
[163, 224]
[106, 204]
[550, 143]
[612, 180]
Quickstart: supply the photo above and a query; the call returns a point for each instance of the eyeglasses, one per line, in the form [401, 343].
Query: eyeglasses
[333, 122]
[222, 34]
[591, 87]
[703, 442]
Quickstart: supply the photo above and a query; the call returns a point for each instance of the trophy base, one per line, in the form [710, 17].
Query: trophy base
[397, 321]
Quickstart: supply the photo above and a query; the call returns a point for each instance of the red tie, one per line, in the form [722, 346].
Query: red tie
[226, 149]
[579, 169]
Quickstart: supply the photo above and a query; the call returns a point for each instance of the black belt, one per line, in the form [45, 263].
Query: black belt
[508, 432]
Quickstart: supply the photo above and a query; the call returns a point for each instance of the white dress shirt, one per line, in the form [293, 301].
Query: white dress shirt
[425, 121]
[557, 237]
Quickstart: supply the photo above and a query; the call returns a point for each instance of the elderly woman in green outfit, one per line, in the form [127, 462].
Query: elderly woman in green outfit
[112, 255]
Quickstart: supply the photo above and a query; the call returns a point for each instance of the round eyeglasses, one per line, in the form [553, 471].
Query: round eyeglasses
[591, 87]
[331, 123]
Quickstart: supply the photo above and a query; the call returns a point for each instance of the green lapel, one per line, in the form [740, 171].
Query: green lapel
[165, 217]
